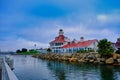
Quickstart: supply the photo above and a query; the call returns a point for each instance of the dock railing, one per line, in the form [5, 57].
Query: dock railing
[7, 73]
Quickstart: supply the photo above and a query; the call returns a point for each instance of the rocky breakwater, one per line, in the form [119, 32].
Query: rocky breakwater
[82, 58]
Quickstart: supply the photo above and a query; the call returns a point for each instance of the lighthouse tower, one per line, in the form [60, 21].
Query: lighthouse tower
[61, 32]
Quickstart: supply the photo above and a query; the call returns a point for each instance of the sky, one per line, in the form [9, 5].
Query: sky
[24, 23]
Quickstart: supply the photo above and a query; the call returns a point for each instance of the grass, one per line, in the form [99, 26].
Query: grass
[29, 52]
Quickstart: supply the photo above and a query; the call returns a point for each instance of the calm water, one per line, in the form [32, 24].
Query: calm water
[29, 68]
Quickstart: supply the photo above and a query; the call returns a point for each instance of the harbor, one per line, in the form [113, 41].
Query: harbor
[59, 39]
[30, 68]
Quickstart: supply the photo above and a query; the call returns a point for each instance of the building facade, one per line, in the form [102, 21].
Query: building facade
[116, 45]
[59, 41]
[62, 44]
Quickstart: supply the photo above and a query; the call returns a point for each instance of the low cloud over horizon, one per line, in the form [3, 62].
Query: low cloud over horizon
[24, 23]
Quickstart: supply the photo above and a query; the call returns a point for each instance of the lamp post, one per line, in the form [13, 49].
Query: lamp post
[35, 46]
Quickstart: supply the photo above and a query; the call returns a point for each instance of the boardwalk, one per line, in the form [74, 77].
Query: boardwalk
[6, 66]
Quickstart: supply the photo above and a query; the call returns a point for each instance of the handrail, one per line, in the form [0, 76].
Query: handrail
[7, 73]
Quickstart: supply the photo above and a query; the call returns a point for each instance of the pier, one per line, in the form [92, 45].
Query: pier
[6, 67]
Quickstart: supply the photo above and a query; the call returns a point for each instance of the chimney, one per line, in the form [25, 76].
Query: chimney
[81, 39]
[68, 43]
[74, 41]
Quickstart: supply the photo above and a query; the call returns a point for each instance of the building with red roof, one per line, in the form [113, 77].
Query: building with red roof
[59, 41]
[81, 45]
[116, 45]
[62, 44]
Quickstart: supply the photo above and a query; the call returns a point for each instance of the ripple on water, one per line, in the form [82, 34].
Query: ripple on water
[29, 68]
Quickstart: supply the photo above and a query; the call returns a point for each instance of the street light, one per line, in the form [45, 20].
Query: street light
[35, 45]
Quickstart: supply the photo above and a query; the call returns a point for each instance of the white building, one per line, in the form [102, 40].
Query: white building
[57, 44]
[116, 45]
[62, 44]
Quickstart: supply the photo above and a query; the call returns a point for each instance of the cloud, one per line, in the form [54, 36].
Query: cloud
[71, 32]
[102, 18]
[108, 18]
[14, 44]
[38, 22]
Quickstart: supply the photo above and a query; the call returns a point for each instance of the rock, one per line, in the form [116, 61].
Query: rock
[116, 64]
[118, 60]
[90, 56]
[84, 56]
[95, 62]
[86, 60]
[98, 60]
[97, 55]
[81, 55]
[91, 61]
[109, 61]
[103, 59]
[81, 60]
[73, 59]
[116, 56]
[74, 55]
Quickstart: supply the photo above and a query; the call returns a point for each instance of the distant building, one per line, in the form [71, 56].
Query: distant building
[62, 44]
[116, 45]
[41, 50]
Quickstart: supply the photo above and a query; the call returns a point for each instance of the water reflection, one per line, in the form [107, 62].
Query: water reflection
[68, 71]
[58, 69]
[37, 69]
[110, 72]
[107, 73]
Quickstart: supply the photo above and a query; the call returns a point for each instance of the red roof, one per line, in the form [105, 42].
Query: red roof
[79, 44]
[60, 38]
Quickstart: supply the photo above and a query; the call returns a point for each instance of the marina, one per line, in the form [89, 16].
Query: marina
[29, 68]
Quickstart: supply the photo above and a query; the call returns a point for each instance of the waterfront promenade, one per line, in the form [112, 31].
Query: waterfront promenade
[6, 67]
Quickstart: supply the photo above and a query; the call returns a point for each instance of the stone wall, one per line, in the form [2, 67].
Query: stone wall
[82, 58]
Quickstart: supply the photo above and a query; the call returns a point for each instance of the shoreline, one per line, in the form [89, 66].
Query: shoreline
[93, 58]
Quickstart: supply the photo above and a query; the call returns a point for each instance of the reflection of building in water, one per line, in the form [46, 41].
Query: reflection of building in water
[62, 44]
[68, 71]
[58, 69]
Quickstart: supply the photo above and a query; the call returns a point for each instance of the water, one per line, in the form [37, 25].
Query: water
[29, 68]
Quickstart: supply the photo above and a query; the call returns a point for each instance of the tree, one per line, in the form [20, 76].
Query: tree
[105, 48]
[24, 50]
[18, 51]
[118, 51]
[49, 50]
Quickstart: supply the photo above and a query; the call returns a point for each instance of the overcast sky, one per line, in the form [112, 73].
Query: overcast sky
[24, 23]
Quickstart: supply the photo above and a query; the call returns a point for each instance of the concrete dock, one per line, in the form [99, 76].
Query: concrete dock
[6, 67]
